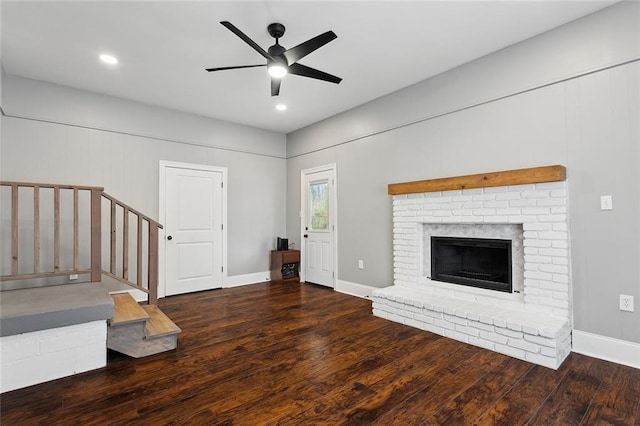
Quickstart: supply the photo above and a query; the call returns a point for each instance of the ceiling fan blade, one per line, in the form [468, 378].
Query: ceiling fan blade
[305, 71]
[275, 86]
[246, 39]
[303, 49]
[234, 68]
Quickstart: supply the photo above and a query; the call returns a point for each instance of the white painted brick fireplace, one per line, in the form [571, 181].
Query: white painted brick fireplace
[533, 322]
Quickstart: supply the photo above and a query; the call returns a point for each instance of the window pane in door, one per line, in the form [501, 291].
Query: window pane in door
[319, 205]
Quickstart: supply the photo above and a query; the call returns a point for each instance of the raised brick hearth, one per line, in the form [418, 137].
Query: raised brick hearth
[532, 324]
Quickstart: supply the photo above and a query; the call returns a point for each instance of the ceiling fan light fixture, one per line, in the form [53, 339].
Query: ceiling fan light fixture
[277, 70]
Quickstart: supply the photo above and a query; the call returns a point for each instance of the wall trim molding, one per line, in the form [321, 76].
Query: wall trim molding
[472, 105]
[246, 279]
[606, 348]
[354, 289]
[10, 111]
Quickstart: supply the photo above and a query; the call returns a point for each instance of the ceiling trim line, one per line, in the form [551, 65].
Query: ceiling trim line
[121, 132]
[467, 107]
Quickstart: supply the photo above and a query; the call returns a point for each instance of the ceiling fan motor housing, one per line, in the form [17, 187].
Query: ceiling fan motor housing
[276, 53]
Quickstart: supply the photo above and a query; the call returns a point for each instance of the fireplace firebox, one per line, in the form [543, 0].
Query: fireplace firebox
[476, 262]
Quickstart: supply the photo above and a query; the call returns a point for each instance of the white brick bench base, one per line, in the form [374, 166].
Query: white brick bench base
[531, 336]
[40, 356]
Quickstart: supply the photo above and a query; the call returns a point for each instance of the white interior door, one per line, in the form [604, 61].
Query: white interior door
[319, 227]
[193, 230]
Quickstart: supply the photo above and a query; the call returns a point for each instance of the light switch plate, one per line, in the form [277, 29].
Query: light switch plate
[626, 303]
[606, 202]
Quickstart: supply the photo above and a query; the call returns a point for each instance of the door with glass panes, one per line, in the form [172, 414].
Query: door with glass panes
[318, 237]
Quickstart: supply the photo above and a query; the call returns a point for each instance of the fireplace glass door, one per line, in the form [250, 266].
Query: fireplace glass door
[476, 262]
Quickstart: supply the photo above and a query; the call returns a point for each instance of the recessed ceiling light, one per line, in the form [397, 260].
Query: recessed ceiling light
[108, 59]
[281, 107]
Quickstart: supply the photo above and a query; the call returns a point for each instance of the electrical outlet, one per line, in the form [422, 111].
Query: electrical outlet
[626, 303]
[73, 277]
[606, 202]
[360, 264]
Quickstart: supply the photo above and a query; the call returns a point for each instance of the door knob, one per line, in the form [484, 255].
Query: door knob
[169, 238]
[306, 236]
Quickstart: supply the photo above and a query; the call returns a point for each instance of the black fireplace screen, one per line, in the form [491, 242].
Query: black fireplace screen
[476, 262]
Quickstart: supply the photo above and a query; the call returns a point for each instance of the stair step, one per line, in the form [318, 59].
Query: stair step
[140, 331]
[126, 310]
[159, 324]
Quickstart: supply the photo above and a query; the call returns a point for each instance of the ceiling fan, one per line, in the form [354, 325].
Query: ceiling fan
[281, 61]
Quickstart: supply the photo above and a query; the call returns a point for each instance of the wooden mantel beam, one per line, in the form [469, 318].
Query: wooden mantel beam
[483, 180]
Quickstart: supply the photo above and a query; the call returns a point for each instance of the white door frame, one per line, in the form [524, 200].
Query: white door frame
[164, 165]
[333, 210]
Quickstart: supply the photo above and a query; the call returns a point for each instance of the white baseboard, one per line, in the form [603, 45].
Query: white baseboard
[140, 296]
[606, 348]
[240, 280]
[354, 289]
[114, 287]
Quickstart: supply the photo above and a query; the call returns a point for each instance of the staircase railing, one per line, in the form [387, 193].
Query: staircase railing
[79, 215]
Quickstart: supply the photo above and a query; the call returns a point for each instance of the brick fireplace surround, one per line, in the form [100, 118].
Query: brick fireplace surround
[534, 324]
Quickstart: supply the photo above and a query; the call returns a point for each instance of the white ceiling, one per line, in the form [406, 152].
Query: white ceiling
[164, 47]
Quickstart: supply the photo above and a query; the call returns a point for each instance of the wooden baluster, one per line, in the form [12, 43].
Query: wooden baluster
[139, 253]
[112, 262]
[14, 229]
[56, 229]
[96, 235]
[96, 270]
[36, 229]
[125, 244]
[153, 264]
[76, 248]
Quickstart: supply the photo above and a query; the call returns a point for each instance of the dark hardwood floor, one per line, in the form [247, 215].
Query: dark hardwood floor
[294, 354]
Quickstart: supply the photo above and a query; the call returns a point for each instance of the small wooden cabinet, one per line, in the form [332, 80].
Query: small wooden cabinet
[285, 265]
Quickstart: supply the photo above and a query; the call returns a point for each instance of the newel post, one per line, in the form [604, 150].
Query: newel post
[96, 235]
[153, 264]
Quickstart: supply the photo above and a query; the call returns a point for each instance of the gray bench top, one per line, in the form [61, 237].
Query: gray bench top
[33, 309]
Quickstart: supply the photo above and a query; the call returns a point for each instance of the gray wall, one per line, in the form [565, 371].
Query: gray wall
[57, 134]
[569, 96]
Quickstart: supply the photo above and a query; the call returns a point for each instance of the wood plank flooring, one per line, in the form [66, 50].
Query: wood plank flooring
[299, 354]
